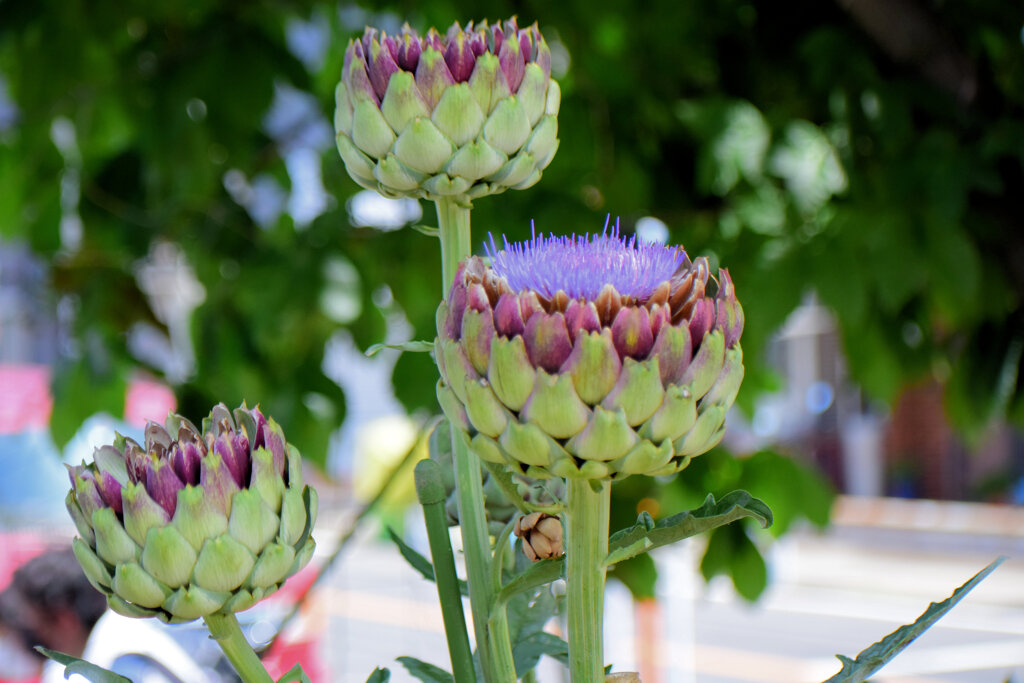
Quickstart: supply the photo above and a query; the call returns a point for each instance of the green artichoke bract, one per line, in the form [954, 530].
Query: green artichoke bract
[193, 522]
[466, 114]
[589, 357]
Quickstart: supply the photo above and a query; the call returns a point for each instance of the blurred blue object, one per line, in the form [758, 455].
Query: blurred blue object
[34, 483]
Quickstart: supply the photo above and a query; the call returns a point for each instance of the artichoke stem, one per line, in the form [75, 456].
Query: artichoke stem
[587, 531]
[491, 633]
[491, 636]
[225, 630]
[454, 230]
[431, 494]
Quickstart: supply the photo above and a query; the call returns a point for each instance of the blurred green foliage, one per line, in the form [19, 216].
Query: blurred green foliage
[800, 145]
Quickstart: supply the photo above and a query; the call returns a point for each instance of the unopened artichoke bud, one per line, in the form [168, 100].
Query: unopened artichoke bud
[193, 522]
[463, 114]
[541, 534]
[590, 357]
[498, 508]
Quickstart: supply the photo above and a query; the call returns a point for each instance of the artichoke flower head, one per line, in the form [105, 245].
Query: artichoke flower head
[193, 522]
[589, 357]
[465, 114]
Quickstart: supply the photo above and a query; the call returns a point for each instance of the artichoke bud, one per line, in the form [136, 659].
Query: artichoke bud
[464, 114]
[541, 535]
[194, 521]
[589, 357]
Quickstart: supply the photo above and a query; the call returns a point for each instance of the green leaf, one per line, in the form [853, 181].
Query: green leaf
[639, 574]
[876, 656]
[529, 611]
[418, 562]
[641, 537]
[410, 346]
[74, 665]
[379, 675]
[528, 651]
[295, 675]
[538, 574]
[428, 673]
[730, 551]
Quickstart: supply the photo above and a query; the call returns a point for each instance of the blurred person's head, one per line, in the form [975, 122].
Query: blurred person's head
[17, 661]
[52, 604]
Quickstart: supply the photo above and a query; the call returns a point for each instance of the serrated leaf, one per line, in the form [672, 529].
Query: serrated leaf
[295, 675]
[89, 671]
[409, 346]
[528, 651]
[379, 675]
[641, 538]
[428, 673]
[878, 655]
[419, 562]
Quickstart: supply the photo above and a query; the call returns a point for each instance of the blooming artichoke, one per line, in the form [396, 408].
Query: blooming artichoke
[467, 114]
[193, 523]
[589, 357]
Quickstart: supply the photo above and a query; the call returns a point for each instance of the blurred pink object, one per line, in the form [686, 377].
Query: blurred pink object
[25, 401]
[147, 400]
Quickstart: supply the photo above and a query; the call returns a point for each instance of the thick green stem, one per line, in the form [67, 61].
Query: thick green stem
[454, 230]
[225, 630]
[587, 531]
[430, 491]
[491, 637]
[491, 634]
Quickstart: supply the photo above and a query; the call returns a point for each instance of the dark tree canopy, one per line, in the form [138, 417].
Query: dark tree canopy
[869, 151]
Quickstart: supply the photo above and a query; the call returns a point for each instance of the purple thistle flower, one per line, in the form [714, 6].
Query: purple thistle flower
[592, 357]
[581, 265]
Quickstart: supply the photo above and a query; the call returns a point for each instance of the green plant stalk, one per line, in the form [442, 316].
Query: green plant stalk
[587, 531]
[493, 644]
[456, 235]
[431, 494]
[225, 630]
[497, 620]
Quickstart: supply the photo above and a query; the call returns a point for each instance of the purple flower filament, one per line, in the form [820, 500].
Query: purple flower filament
[581, 265]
